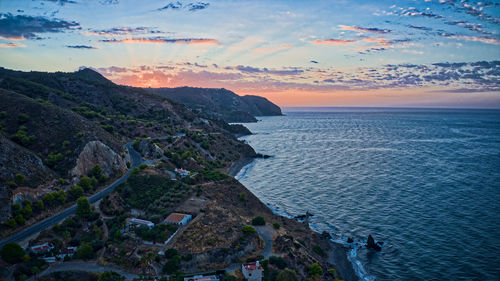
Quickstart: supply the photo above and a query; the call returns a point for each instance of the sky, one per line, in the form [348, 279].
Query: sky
[415, 53]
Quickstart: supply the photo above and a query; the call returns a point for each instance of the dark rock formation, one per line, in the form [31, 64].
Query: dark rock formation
[325, 235]
[370, 244]
[350, 240]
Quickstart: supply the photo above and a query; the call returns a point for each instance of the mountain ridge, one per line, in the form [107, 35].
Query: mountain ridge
[220, 103]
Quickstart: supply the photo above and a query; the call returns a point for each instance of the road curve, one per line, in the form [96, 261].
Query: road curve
[59, 217]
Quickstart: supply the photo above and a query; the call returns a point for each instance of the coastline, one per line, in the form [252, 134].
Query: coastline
[337, 255]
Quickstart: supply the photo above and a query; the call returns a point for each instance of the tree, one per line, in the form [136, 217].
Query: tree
[315, 269]
[85, 251]
[12, 222]
[20, 219]
[83, 209]
[19, 178]
[287, 275]
[258, 221]
[96, 171]
[12, 253]
[86, 183]
[75, 192]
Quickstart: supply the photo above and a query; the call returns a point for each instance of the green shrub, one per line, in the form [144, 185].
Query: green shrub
[19, 178]
[279, 262]
[12, 253]
[11, 223]
[276, 225]
[314, 269]
[248, 229]
[22, 118]
[319, 251]
[258, 221]
[21, 137]
[3, 114]
[287, 275]
[85, 251]
[53, 159]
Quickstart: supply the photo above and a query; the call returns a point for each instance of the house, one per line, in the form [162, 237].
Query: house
[178, 219]
[42, 248]
[202, 278]
[252, 271]
[68, 252]
[135, 222]
[182, 172]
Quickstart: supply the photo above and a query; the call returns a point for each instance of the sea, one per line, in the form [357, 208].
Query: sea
[425, 182]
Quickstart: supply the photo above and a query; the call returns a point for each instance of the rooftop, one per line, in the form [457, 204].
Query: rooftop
[175, 217]
[252, 266]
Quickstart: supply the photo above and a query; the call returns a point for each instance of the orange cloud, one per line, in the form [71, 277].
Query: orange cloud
[12, 37]
[11, 45]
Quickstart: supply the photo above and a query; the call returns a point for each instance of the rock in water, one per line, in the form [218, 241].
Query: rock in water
[370, 244]
[325, 235]
[350, 240]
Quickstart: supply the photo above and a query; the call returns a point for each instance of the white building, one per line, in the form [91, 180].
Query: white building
[182, 172]
[202, 278]
[42, 248]
[178, 219]
[252, 271]
[138, 222]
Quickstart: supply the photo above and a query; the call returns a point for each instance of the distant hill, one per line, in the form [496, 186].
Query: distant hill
[221, 103]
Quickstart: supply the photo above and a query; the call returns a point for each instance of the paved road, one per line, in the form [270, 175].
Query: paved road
[59, 217]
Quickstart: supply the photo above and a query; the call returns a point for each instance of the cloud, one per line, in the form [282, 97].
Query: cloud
[334, 41]
[249, 69]
[81, 47]
[197, 6]
[171, 6]
[11, 45]
[62, 2]
[420, 27]
[27, 27]
[163, 40]
[481, 76]
[122, 31]
[482, 39]
[190, 6]
[365, 29]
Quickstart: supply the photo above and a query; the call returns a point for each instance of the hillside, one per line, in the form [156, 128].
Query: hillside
[55, 127]
[221, 103]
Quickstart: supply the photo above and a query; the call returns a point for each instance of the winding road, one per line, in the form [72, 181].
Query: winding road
[59, 217]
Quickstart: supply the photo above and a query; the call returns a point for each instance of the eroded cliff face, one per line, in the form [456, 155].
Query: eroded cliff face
[149, 150]
[97, 153]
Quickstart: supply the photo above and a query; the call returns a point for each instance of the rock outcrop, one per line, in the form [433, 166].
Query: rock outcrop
[148, 149]
[370, 244]
[97, 153]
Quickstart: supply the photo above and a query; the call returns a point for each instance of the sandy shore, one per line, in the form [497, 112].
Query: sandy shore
[238, 165]
[338, 257]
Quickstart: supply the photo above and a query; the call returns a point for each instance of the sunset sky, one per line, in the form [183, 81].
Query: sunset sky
[296, 53]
